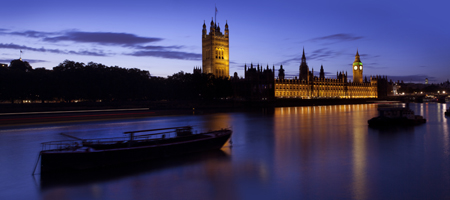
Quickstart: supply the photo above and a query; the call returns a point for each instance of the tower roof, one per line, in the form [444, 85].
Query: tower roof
[303, 56]
[357, 59]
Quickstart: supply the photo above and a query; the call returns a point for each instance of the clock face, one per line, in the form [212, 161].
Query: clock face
[356, 67]
[360, 67]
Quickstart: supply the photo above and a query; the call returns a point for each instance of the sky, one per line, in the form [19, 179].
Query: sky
[405, 40]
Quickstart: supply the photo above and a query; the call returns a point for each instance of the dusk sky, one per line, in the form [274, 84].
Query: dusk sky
[405, 40]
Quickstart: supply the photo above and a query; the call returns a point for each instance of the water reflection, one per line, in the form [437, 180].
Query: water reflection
[359, 183]
[309, 140]
[48, 181]
[317, 152]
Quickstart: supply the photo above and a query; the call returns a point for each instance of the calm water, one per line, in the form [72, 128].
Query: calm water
[321, 152]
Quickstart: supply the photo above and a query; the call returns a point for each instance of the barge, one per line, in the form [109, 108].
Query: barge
[69, 155]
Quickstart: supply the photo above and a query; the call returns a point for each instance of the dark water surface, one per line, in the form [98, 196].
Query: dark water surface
[320, 152]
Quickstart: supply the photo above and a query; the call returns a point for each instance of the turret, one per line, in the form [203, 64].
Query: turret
[304, 70]
[212, 29]
[281, 73]
[204, 29]
[226, 29]
[322, 73]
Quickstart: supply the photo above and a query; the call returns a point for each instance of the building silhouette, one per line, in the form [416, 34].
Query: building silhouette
[215, 51]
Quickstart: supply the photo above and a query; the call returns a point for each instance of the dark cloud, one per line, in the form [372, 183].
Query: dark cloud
[374, 66]
[126, 40]
[320, 55]
[157, 48]
[336, 38]
[291, 74]
[7, 61]
[104, 38]
[34, 60]
[57, 51]
[32, 34]
[168, 54]
[412, 78]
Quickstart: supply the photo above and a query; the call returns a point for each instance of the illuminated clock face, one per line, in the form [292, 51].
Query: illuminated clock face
[356, 67]
[360, 67]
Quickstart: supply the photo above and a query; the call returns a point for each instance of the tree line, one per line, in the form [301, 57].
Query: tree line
[74, 81]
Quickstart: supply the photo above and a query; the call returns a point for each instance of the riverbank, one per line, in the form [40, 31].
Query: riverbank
[20, 114]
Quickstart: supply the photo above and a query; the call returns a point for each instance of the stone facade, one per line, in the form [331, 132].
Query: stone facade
[215, 51]
[309, 86]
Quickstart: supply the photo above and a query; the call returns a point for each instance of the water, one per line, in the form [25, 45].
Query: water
[320, 152]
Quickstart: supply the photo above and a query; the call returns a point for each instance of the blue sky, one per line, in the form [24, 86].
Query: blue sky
[405, 40]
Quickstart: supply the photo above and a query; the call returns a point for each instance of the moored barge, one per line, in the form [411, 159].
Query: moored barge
[396, 116]
[83, 154]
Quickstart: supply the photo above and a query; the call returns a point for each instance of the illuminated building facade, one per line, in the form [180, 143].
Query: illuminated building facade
[309, 86]
[215, 51]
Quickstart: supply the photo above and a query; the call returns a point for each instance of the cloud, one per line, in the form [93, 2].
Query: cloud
[374, 65]
[412, 78]
[34, 60]
[32, 34]
[336, 38]
[4, 61]
[168, 54]
[57, 51]
[103, 38]
[291, 74]
[320, 55]
[126, 40]
[158, 48]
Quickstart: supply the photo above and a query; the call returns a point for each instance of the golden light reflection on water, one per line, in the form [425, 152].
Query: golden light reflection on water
[217, 121]
[318, 134]
[359, 158]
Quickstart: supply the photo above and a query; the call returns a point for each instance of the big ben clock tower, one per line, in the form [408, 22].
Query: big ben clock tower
[357, 69]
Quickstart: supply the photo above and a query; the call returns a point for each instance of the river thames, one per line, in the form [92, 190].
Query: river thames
[315, 152]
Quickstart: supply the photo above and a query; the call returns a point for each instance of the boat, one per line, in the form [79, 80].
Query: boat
[396, 116]
[73, 155]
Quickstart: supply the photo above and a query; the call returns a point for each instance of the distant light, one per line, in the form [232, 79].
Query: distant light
[443, 92]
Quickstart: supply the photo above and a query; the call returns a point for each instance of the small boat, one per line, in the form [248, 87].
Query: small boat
[71, 155]
[396, 116]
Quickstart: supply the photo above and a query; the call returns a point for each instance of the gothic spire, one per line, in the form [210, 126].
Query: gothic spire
[357, 59]
[303, 56]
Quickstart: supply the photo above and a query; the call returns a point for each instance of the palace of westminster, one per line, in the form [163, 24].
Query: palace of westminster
[260, 82]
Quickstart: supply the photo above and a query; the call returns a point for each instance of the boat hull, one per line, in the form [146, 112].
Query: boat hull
[53, 161]
[383, 122]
